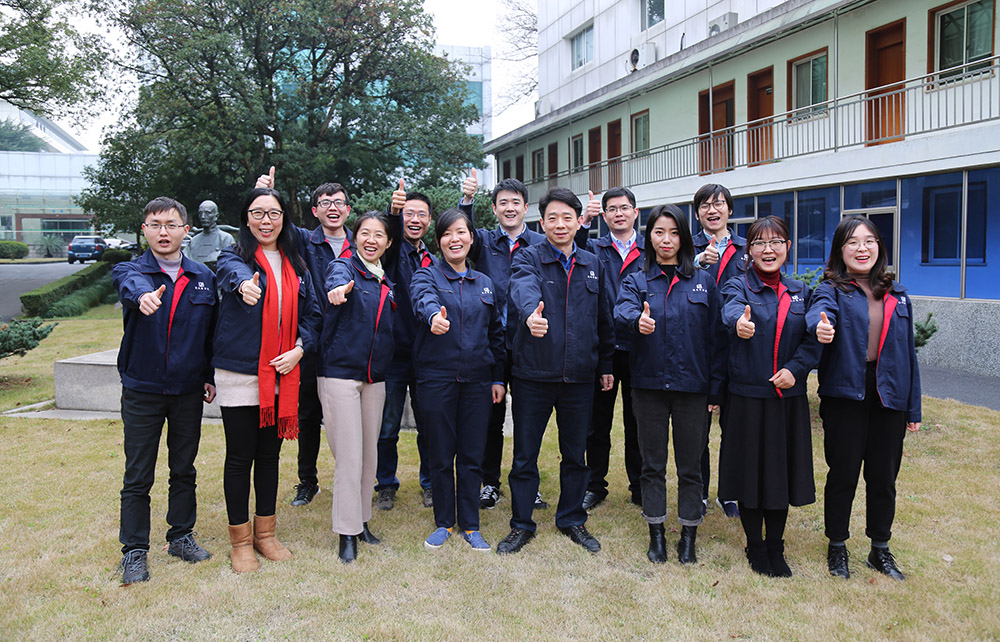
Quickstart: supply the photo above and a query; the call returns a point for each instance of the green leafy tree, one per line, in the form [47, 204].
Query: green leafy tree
[46, 65]
[18, 138]
[324, 90]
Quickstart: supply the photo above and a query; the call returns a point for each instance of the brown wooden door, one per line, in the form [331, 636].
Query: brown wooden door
[715, 151]
[885, 69]
[760, 107]
[594, 158]
[553, 163]
[614, 152]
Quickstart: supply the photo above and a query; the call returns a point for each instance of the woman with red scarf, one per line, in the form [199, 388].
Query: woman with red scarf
[268, 319]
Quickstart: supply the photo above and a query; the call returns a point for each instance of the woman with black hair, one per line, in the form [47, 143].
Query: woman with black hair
[268, 318]
[869, 388]
[766, 457]
[357, 347]
[672, 312]
[459, 360]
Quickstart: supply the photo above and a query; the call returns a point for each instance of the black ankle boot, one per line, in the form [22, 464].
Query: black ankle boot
[348, 548]
[657, 544]
[685, 545]
[757, 556]
[776, 556]
[368, 537]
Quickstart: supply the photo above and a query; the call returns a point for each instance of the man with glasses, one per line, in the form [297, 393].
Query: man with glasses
[724, 254]
[409, 217]
[166, 373]
[620, 252]
[330, 240]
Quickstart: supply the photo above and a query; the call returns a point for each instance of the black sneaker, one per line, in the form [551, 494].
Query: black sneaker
[133, 567]
[836, 561]
[580, 535]
[882, 561]
[188, 550]
[386, 499]
[304, 493]
[540, 504]
[489, 496]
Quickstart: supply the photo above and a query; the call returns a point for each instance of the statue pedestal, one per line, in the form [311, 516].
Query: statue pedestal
[91, 382]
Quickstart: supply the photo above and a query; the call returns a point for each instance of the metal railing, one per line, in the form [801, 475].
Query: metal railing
[933, 102]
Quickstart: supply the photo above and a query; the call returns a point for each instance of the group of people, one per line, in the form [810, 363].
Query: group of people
[299, 329]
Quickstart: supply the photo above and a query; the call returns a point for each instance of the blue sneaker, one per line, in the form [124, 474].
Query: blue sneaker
[437, 538]
[729, 508]
[475, 540]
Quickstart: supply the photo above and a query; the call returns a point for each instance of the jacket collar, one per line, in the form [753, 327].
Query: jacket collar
[450, 273]
[755, 284]
[363, 269]
[702, 239]
[548, 254]
[607, 241]
[148, 264]
[317, 237]
[527, 236]
[657, 273]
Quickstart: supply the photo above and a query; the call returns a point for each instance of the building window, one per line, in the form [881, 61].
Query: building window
[506, 169]
[577, 147]
[807, 78]
[652, 13]
[537, 164]
[475, 95]
[640, 132]
[963, 35]
[582, 45]
[519, 168]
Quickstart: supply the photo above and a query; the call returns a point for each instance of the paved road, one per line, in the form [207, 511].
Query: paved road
[974, 389]
[18, 278]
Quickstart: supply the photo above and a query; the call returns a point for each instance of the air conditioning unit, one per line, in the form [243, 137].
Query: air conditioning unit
[722, 23]
[642, 55]
[541, 107]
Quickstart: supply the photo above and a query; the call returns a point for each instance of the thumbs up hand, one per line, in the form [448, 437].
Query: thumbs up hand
[266, 180]
[592, 210]
[398, 198]
[469, 187]
[824, 329]
[744, 326]
[250, 289]
[538, 324]
[711, 254]
[440, 323]
[647, 325]
[338, 295]
[150, 302]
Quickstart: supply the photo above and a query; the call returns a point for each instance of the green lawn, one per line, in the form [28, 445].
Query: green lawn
[59, 525]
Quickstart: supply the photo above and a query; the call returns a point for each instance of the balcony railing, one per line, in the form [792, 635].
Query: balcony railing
[930, 103]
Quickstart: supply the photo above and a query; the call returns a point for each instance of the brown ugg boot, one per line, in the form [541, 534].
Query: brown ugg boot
[264, 540]
[242, 555]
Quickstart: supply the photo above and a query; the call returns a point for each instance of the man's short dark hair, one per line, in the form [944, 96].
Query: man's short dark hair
[510, 185]
[616, 192]
[328, 189]
[163, 204]
[562, 195]
[709, 191]
[423, 198]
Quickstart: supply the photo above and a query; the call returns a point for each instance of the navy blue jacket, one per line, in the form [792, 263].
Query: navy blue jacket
[685, 352]
[733, 261]
[753, 361]
[580, 342]
[170, 351]
[842, 366]
[356, 342]
[401, 260]
[615, 269]
[238, 331]
[472, 350]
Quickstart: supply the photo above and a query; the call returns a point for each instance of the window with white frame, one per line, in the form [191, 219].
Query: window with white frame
[809, 82]
[538, 164]
[651, 12]
[640, 132]
[963, 36]
[577, 145]
[582, 47]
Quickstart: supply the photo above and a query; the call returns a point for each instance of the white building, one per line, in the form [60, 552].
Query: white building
[479, 81]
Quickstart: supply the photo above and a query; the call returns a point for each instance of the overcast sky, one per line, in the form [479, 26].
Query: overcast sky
[456, 23]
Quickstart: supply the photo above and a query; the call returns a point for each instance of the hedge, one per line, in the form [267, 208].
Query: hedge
[38, 301]
[83, 299]
[116, 255]
[13, 250]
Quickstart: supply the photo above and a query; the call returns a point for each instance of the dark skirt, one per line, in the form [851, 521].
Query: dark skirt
[766, 460]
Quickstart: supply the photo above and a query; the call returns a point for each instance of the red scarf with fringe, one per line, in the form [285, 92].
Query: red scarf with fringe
[278, 334]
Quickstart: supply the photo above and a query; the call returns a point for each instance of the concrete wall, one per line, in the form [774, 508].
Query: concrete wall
[966, 336]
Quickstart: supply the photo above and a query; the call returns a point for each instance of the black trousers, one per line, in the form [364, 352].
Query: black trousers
[249, 447]
[494, 435]
[457, 415]
[599, 438]
[310, 420]
[654, 410]
[143, 415]
[706, 466]
[533, 404]
[856, 433]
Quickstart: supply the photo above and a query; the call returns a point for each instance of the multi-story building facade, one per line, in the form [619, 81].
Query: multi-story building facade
[478, 62]
[808, 109]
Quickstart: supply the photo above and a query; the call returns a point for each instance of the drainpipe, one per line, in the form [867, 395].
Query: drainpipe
[836, 78]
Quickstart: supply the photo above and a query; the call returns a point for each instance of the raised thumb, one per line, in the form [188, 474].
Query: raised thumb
[823, 317]
[401, 188]
[256, 278]
[350, 286]
[645, 308]
[473, 172]
[444, 313]
[160, 290]
[746, 313]
[590, 194]
[541, 306]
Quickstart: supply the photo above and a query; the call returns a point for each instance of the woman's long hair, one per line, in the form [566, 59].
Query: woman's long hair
[836, 271]
[246, 244]
[685, 253]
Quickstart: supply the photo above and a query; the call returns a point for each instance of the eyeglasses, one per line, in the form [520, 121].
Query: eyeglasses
[326, 203]
[258, 215]
[854, 244]
[719, 204]
[624, 209]
[423, 216]
[774, 244]
[156, 227]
